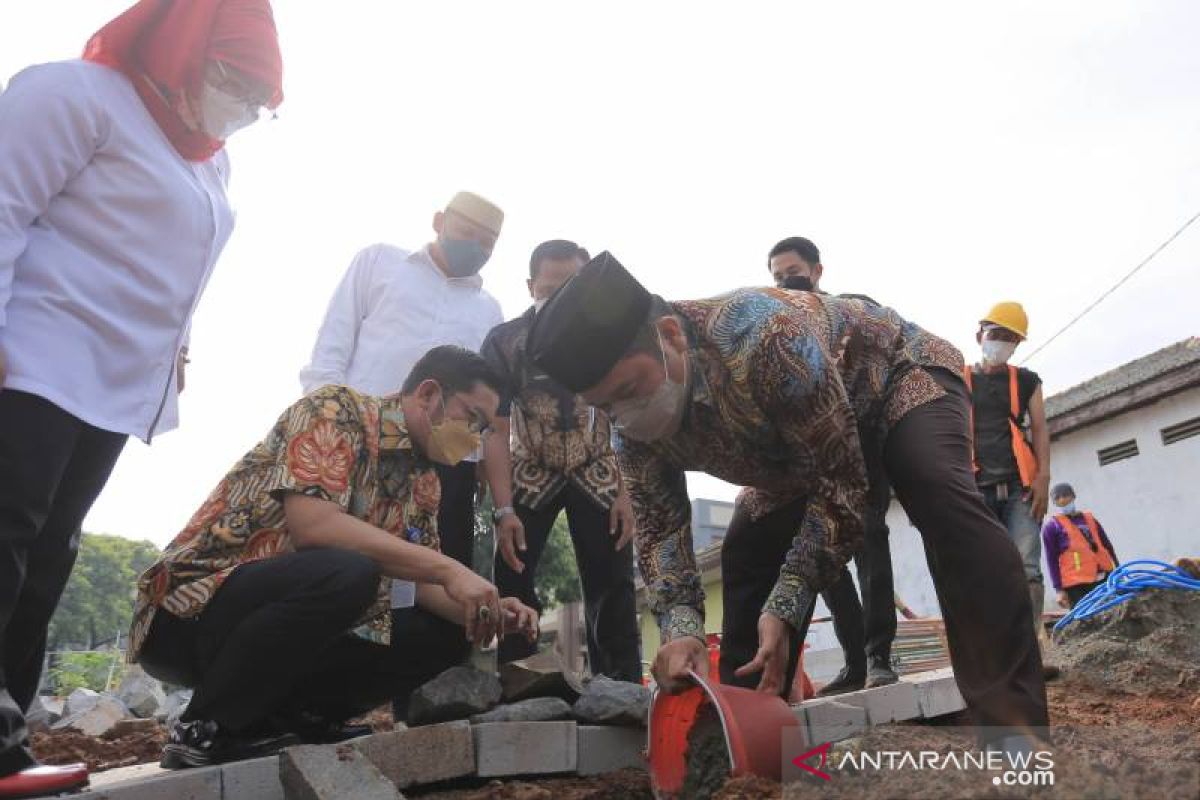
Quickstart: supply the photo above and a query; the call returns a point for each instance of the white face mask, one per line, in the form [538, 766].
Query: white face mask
[222, 114]
[538, 304]
[646, 419]
[1068, 509]
[996, 352]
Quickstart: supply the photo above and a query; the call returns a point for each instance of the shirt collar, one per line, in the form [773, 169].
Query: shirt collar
[424, 256]
[393, 429]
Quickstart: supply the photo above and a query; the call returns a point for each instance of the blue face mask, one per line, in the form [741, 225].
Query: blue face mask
[1068, 509]
[464, 257]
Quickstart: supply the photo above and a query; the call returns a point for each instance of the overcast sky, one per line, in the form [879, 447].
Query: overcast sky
[942, 155]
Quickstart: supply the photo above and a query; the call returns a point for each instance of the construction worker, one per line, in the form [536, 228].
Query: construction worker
[1011, 440]
[273, 601]
[865, 630]
[561, 460]
[1079, 555]
[768, 388]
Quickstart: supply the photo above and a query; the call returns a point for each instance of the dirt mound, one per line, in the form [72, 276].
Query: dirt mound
[68, 747]
[1147, 645]
[629, 784]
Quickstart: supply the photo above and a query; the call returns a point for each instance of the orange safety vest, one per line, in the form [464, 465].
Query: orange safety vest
[1026, 461]
[1079, 564]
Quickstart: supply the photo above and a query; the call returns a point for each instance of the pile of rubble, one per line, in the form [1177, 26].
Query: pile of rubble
[106, 729]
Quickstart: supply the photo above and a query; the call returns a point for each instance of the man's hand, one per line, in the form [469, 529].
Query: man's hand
[181, 362]
[475, 595]
[519, 618]
[1039, 496]
[675, 659]
[510, 538]
[1063, 600]
[620, 520]
[774, 639]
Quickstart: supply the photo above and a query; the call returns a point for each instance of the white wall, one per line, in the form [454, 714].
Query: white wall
[1149, 505]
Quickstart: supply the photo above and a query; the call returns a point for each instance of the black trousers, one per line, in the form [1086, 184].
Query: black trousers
[456, 528]
[610, 601]
[274, 644]
[1077, 593]
[866, 630]
[52, 467]
[977, 572]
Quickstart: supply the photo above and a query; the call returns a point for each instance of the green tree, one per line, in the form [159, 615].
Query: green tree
[558, 574]
[98, 601]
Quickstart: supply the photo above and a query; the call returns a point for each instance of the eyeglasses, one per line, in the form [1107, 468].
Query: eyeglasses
[233, 84]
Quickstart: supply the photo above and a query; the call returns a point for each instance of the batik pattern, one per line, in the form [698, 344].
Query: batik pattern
[336, 445]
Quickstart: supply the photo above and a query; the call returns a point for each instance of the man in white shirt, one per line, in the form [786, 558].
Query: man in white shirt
[392, 306]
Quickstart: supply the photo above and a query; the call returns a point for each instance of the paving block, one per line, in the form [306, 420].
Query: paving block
[256, 779]
[892, 703]
[832, 721]
[426, 754]
[939, 696]
[603, 748]
[184, 784]
[332, 772]
[525, 748]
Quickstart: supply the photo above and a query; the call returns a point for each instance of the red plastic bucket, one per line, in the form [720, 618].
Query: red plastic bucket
[752, 722]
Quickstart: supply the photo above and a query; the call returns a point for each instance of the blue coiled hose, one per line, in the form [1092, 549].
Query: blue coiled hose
[1127, 581]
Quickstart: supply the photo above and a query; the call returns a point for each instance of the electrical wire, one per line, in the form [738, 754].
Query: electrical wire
[1113, 288]
[1126, 582]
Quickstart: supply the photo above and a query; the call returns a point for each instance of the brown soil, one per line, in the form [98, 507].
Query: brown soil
[629, 784]
[67, 747]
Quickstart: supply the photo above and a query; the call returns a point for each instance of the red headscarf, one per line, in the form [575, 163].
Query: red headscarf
[170, 43]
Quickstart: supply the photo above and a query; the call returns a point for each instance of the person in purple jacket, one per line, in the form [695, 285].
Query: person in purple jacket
[1078, 553]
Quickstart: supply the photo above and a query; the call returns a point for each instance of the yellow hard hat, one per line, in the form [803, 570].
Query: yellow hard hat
[1009, 315]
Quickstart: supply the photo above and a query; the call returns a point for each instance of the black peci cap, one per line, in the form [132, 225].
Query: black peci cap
[587, 325]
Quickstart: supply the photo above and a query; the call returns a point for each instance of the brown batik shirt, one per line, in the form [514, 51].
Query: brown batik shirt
[557, 437]
[780, 385]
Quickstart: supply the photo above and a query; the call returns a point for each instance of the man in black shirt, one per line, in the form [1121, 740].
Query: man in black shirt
[1011, 440]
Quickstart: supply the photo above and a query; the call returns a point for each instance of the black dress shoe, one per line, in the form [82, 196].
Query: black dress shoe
[880, 673]
[202, 743]
[314, 729]
[846, 681]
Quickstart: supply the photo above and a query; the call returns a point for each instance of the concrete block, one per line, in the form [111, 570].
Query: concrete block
[421, 755]
[97, 720]
[832, 721]
[256, 779]
[603, 748]
[525, 748]
[885, 703]
[332, 772]
[184, 784]
[939, 696]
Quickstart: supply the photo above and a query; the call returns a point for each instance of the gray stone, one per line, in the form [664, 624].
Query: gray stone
[97, 720]
[606, 749]
[939, 696]
[256, 779]
[893, 703]
[832, 721]
[141, 694]
[54, 707]
[37, 718]
[187, 784]
[332, 772]
[525, 748]
[522, 681]
[536, 709]
[79, 701]
[608, 702]
[174, 706]
[421, 755]
[457, 693]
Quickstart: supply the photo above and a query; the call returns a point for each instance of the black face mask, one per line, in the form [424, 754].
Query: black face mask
[799, 283]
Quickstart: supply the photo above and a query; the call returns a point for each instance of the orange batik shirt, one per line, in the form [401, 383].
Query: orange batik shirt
[335, 444]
